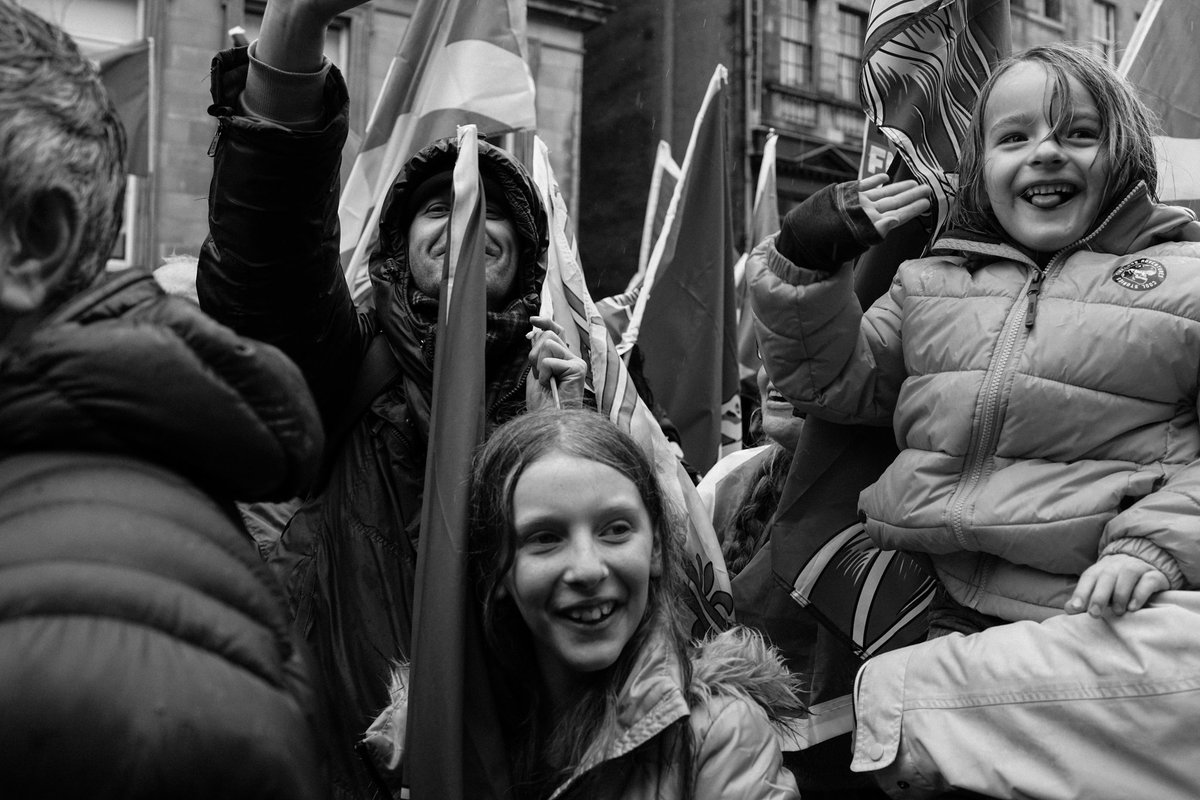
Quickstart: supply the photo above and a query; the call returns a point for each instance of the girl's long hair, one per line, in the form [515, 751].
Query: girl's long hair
[1127, 131]
[542, 755]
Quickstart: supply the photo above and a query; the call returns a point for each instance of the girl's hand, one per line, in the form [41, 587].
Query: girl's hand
[1119, 581]
[891, 205]
[549, 358]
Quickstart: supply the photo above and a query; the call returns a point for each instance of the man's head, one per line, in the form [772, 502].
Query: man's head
[412, 239]
[62, 182]
[429, 237]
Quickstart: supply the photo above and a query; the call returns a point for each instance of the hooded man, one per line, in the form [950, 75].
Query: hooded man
[270, 269]
[145, 650]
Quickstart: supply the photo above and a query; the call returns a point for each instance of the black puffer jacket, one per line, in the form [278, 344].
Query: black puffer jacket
[270, 269]
[145, 651]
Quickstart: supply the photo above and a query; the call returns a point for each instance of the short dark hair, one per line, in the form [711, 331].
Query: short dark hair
[59, 130]
[1127, 127]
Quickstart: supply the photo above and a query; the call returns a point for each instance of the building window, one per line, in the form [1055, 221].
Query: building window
[1104, 30]
[1050, 9]
[852, 30]
[796, 43]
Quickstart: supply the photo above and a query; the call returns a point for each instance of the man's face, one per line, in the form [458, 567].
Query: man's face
[428, 239]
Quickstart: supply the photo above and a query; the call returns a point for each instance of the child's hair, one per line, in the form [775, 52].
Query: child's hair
[1126, 130]
[541, 757]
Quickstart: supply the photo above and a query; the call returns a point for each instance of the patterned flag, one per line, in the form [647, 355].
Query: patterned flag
[1161, 62]
[460, 61]
[923, 65]
[684, 318]
[565, 297]
[445, 757]
[125, 72]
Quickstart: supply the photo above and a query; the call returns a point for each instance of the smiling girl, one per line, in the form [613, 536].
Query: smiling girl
[577, 563]
[1039, 368]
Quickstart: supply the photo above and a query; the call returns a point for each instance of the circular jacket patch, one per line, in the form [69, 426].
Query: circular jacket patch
[1140, 275]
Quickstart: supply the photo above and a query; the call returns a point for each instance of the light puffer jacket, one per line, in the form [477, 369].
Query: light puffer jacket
[736, 704]
[1045, 417]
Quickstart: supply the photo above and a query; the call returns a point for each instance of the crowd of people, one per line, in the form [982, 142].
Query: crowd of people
[1037, 370]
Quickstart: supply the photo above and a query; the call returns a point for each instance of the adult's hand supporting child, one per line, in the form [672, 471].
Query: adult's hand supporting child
[1122, 582]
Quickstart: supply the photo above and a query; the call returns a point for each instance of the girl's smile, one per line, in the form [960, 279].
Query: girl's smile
[585, 553]
[1045, 167]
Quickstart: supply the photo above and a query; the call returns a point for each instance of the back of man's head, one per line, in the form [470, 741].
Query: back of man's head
[59, 132]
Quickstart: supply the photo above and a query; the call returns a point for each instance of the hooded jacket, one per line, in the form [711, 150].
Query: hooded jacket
[736, 706]
[1046, 416]
[270, 269]
[145, 650]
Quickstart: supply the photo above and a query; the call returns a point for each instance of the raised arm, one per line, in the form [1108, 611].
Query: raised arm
[270, 267]
[818, 348]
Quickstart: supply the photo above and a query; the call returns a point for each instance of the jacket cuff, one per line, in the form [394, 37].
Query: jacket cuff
[827, 229]
[1152, 554]
[230, 74]
[290, 99]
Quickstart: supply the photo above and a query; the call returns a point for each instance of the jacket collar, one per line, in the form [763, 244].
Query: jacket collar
[652, 699]
[1135, 223]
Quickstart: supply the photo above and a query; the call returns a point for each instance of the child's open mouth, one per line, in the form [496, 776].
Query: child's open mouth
[1049, 195]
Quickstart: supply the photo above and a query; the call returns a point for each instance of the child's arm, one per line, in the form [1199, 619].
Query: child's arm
[1120, 581]
[818, 349]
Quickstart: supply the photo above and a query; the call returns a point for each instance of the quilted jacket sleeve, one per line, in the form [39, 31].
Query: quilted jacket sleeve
[820, 350]
[270, 266]
[737, 753]
[1163, 529]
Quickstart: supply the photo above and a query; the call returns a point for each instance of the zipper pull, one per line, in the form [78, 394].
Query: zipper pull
[1035, 288]
[212, 147]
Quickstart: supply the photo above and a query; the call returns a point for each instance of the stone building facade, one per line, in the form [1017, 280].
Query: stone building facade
[167, 214]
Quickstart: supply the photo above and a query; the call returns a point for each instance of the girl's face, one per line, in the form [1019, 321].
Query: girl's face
[1045, 188]
[585, 553]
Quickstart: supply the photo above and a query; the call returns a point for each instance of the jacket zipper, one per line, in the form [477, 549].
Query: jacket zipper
[212, 147]
[504, 399]
[982, 445]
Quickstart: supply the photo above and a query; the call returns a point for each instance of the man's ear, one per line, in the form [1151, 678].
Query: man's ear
[38, 251]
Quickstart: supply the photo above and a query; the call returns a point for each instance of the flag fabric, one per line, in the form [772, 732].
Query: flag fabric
[1161, 62]
[617, 311]
[126, 74]
[924, 62]
[565, 298]
[663, 179]
[684, 319]
[459, 62]
[445, 757]
[764, 222]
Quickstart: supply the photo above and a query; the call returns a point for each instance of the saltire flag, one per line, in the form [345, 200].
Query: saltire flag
[664, 177]
[764, 222]
[684, 319]
[126, 74]
[924, 62]
[460, 62]
[445, 757]
[1161, 62]
[565, 298]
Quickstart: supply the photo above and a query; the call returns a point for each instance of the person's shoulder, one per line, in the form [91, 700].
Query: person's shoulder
[739, 679]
